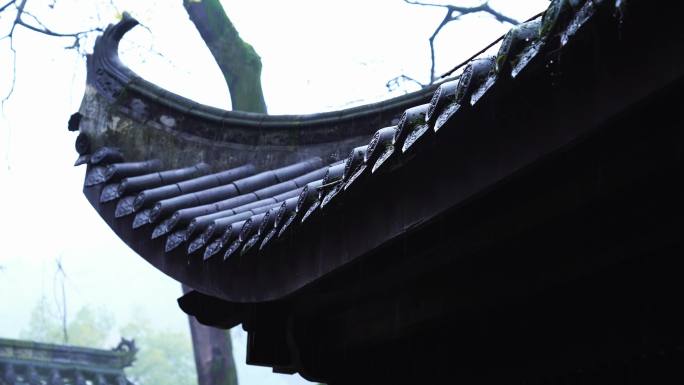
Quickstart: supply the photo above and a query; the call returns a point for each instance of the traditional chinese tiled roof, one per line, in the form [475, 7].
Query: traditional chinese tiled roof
[33, 363]
[512, 225]
[247, 230]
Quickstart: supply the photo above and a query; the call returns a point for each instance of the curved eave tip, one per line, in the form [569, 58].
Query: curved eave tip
[141, 219]
[124, 206]
[125, 24]
[83, 159]
[174, 240]
[212, 249]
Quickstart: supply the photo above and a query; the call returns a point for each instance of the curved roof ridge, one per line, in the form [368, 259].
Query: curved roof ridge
[106, 59]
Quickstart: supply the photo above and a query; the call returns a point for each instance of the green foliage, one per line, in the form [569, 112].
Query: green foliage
[43, 325]
[164, 357]
[91, 326]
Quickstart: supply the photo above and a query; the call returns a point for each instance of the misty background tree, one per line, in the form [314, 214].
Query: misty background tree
[163, 357]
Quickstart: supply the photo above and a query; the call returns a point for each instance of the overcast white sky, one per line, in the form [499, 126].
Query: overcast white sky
[317, 55]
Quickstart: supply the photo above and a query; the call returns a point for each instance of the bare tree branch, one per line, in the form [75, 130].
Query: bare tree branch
[484, 7]
[395, 82]
[447, 18]
[2, 8]
[41, 28]
[34, 25]
[14, 73]
[48, 32]
[20, 10]
[453, 13]
[35, 19]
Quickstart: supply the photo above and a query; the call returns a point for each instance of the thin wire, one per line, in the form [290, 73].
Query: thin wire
[60, 271]
[483, 50]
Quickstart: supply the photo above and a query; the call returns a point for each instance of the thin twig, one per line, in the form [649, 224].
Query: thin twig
[453, 13]
[2, 8]
[483, 50]
[20, 10]
[398, 79]
[431, 40]
[32, 16]
[14, 73]
[49, 32]
[35, 25]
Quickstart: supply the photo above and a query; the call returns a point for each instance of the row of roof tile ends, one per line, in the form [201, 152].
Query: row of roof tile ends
[31, 376]
[214, 215]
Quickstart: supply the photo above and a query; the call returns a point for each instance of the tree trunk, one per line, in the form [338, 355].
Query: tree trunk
[241, 69]
[213, 353]
[239, 63]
